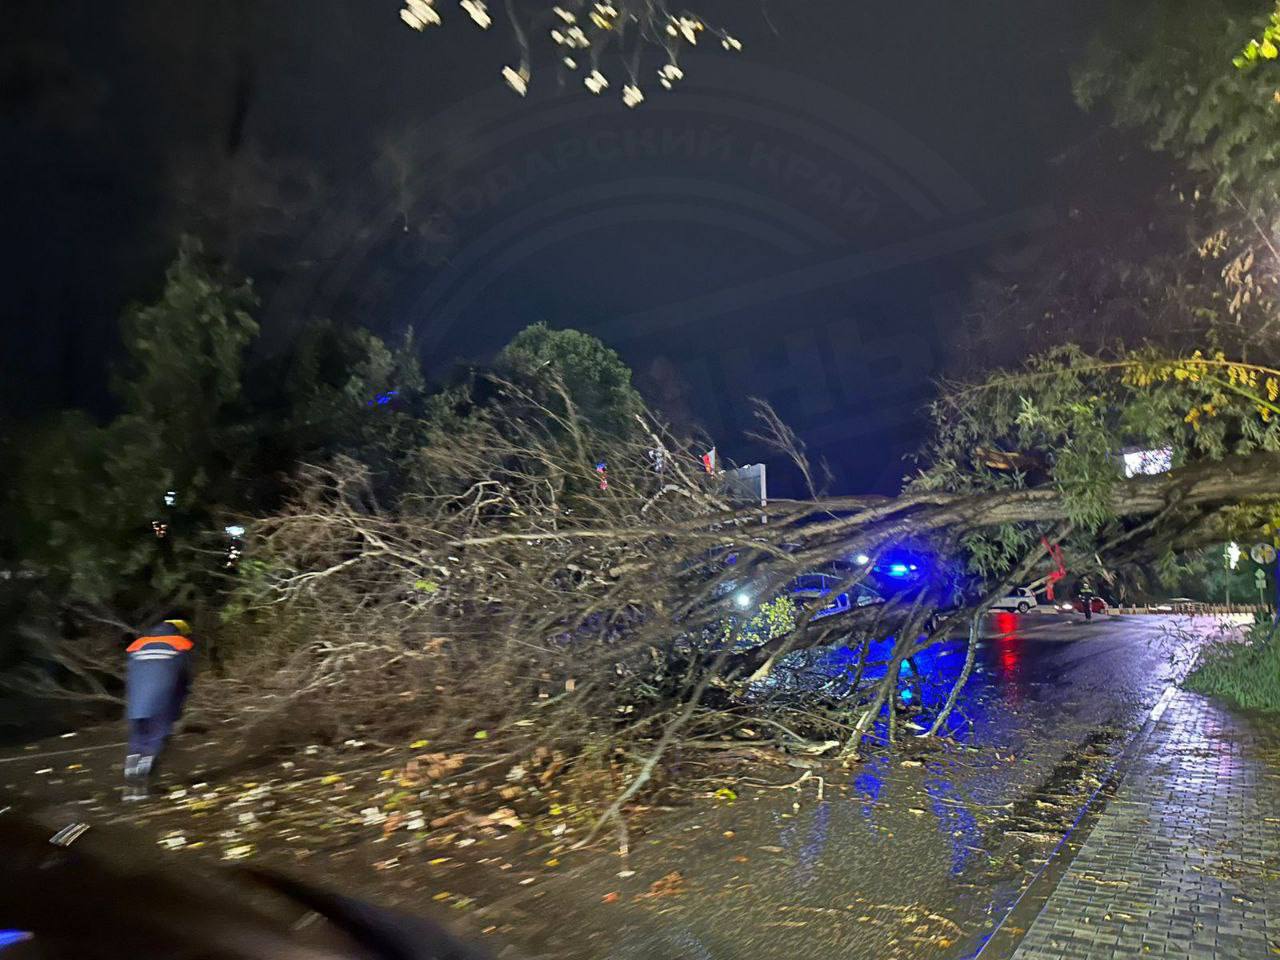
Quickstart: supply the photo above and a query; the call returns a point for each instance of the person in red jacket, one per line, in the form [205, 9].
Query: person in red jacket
[157, 678]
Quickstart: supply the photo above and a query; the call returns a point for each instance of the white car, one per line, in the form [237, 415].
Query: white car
[1020, 599]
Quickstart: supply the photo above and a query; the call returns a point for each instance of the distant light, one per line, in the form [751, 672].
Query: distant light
[862, 559]
[906, 694]
[914, 567]
[1233, 555]
[170, 498]
[235, 530]
[1148, 463]
[898, 570]
[743, 600]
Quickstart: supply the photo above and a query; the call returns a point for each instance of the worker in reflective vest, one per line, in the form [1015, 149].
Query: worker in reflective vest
[157, 677]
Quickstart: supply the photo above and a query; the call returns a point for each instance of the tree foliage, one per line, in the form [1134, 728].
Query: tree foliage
[1065, 420]
[98, 508]
[1166, 72]
[595, 40]
[593, 375]
[126, 517]
[1157, 298]
[1261, 48]
[335, 391]
[1172, 248]
[512, 575]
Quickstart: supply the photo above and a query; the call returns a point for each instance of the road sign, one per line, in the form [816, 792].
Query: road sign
[748, 483]
[1263, 553]
[1260, 579]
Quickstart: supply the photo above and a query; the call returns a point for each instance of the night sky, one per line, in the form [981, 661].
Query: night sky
[799, 221]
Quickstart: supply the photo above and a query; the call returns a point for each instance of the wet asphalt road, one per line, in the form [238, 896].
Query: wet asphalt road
[901, 858]
[910, 857]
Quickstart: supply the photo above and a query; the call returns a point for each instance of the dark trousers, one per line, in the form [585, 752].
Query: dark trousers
[147, 736]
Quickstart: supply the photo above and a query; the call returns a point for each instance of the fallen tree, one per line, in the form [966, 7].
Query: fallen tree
[546, 582]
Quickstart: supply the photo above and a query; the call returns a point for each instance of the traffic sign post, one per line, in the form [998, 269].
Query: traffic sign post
[1265, 555]
[749, 483]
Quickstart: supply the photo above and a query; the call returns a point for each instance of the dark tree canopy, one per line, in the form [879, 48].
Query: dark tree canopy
[1165, 70]
[594, 375]
[128, 515]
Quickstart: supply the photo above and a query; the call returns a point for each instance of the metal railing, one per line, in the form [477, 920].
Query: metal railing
[1194, 608]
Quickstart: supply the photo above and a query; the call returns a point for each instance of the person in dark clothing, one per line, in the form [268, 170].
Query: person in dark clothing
[1086, 594]
[157, 678]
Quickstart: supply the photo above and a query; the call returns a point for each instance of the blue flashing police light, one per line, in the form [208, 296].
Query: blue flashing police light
[898, 569]
[906, 695]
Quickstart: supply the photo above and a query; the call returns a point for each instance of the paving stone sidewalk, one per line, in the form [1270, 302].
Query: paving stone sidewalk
[1185, 860]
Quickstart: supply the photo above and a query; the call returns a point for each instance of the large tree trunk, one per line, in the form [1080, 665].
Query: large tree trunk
[1198, 491]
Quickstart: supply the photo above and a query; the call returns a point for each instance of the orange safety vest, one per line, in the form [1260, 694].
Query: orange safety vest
[176, 640]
